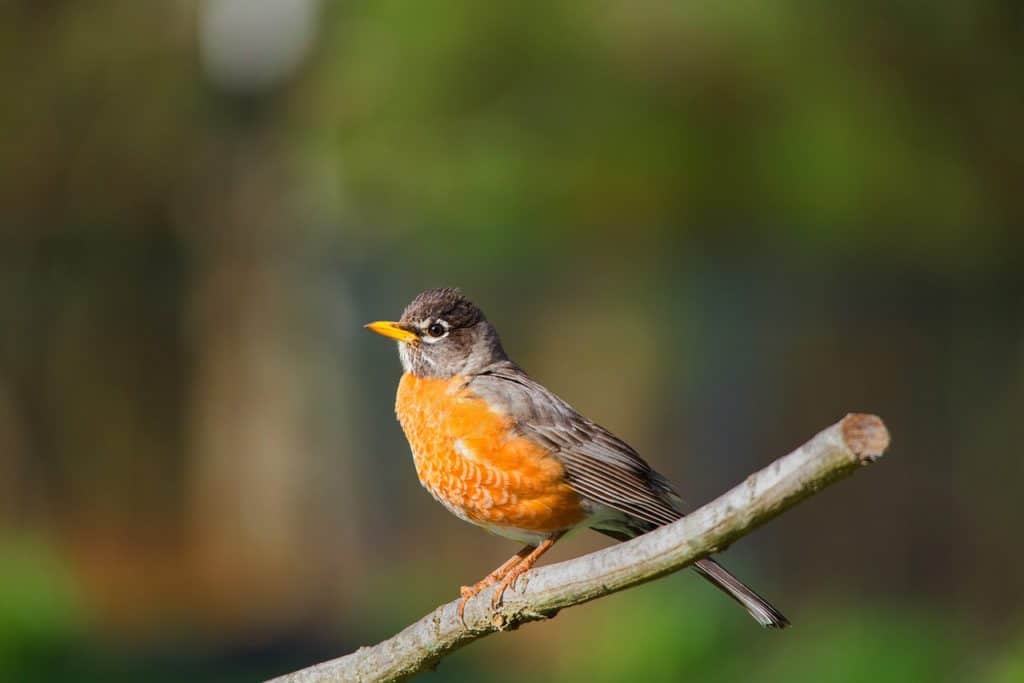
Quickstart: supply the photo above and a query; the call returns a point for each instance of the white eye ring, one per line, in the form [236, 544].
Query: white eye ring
[435, 331]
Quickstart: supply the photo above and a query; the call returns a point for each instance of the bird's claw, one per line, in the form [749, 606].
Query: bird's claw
[468, 593]
[508, 581]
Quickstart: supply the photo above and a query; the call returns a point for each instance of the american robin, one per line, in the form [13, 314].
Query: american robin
[501, 451]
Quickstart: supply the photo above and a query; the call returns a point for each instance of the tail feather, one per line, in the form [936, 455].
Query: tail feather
[759, 608]
[762, 610]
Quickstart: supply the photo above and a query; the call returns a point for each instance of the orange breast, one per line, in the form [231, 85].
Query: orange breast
[471, 462]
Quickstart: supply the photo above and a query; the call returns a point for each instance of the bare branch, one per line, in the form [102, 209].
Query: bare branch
[834, 453]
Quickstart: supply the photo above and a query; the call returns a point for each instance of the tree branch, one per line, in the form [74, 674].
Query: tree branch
[834, 453]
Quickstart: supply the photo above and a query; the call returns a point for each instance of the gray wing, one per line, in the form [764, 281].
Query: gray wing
[605, 470]
[600, 466]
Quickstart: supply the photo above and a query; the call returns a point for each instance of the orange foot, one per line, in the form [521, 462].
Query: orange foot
[507, 573]
[498, 574]
[522, 567]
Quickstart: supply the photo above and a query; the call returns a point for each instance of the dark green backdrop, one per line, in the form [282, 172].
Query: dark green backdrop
[713, 229]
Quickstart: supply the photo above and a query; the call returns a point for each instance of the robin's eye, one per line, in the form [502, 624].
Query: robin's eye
[436, 330]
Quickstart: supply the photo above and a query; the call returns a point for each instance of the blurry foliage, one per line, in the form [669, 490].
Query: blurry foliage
[814, 122]
[40, 614]
[682, 216]
[1009, 666]
[668, 631]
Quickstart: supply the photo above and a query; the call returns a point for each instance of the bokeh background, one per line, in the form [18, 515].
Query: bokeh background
[714, 229]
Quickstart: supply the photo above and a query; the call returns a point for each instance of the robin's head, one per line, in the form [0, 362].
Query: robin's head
[443, 334]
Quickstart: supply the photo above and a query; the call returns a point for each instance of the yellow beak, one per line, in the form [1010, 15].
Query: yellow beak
[393, 330]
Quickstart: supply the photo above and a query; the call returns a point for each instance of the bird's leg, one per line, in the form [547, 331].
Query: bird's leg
[523, 566]
[492, 578]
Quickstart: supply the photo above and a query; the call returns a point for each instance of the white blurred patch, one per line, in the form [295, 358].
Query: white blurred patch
[252, 45]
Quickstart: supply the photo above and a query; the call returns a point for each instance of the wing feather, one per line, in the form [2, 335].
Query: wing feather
[600, 466]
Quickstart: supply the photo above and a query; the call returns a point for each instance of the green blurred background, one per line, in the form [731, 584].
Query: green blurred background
[713, 229]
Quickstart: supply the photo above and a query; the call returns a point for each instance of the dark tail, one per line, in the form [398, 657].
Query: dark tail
[759, 608]
[762, 610]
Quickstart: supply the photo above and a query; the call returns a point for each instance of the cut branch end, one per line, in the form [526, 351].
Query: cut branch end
[865, 435]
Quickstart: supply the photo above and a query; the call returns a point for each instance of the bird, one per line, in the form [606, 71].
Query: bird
[501, 451]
